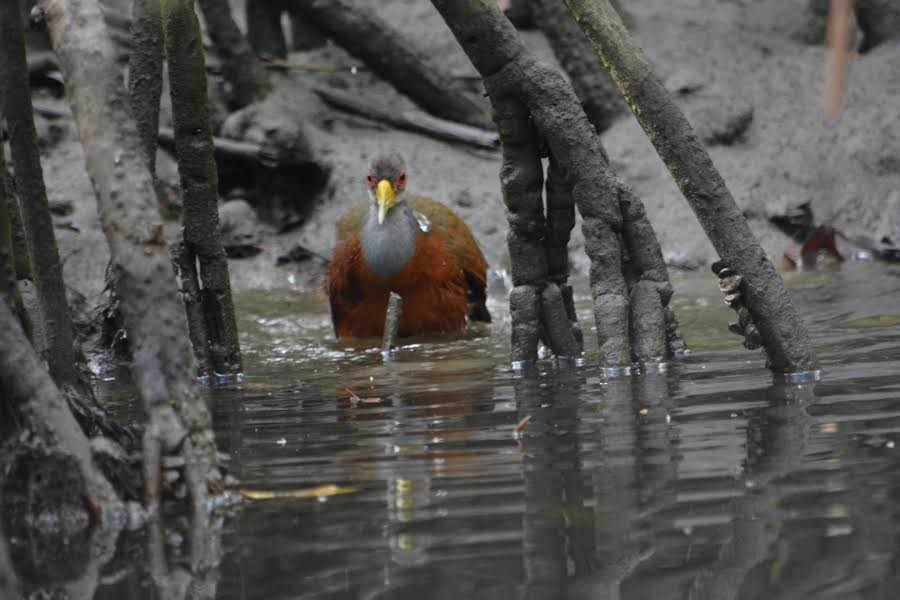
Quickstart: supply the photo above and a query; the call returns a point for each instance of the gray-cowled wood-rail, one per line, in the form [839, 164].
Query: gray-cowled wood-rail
[410, 245]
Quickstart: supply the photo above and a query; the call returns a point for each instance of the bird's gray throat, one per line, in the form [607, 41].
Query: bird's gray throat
[389, 246]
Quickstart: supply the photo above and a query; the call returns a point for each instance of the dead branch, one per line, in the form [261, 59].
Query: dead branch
[199, 180]
[364, 34]
[186, 269]
[248, 79]
[410, 120]
[154, 318]
[35, 210]
[787, 342]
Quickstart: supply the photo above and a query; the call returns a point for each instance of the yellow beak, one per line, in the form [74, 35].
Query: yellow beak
[384, 195]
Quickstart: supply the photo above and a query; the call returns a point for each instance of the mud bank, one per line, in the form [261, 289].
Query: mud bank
[741, 72]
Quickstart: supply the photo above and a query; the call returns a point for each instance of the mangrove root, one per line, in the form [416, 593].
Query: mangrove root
[537, 113]
[676, 142]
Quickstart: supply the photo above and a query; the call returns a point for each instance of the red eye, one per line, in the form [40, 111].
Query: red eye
[370, 179]
[401, 181]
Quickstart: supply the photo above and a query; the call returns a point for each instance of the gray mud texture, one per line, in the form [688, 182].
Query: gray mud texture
[741, 72]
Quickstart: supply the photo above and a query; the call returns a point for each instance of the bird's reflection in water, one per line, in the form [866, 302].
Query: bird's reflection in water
[417, 432]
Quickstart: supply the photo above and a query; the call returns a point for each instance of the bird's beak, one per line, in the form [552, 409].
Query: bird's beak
[384, 195]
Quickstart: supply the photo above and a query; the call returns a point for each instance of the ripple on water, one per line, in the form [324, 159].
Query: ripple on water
[708, 479]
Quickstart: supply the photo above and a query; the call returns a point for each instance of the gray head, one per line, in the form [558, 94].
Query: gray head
[387, 181]
[389, 231]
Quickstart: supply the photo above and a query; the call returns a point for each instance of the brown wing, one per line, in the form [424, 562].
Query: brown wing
[350, 222]
[462, 245]
[343, 286]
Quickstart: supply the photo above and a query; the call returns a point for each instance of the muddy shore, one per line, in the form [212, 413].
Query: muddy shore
[741, 73]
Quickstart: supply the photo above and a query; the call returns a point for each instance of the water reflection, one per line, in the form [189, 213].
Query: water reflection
[614, 489]
[706, 481]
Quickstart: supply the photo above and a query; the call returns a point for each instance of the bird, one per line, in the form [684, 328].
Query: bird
[410, 245]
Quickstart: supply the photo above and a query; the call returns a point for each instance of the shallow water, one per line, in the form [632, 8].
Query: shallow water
[707, 480]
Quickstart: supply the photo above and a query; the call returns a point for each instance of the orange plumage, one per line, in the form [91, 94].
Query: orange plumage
[442, 280]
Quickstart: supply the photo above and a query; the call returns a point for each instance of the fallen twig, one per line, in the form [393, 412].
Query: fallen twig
[392, 322]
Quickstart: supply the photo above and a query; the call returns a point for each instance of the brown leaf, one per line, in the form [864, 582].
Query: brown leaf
[356, 400]
[522, 424]
[321, 491]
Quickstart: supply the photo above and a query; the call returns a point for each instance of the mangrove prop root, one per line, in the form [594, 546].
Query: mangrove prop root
[145, 72]
[9, 587]
[44, 412]
[598, 95]
[304, 36]
[9, 289]
[264, 30]
[730, 284]
[199, 179]
[765, 296]
[35, 209]
[525, 313]
[676, 344]
[558, 330]
[186, 268]
[163, 365]
[249, 80]
[19, 238]
[535, 108]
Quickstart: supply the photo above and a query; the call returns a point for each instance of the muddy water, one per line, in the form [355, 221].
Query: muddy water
[705, 480]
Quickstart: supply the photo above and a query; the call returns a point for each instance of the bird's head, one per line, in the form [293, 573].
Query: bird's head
[387, 181]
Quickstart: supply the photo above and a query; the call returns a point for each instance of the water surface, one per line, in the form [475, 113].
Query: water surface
[705, 480]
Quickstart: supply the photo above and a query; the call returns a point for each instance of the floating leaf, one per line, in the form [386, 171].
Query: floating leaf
[356, 400]
[522, 424]
[322, 491]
